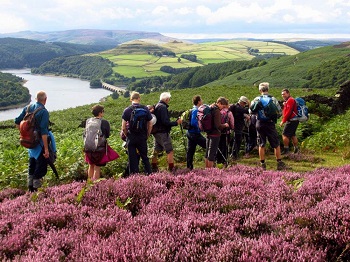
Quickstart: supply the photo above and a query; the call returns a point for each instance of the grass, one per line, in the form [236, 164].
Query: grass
[128, 55]
[71, 165]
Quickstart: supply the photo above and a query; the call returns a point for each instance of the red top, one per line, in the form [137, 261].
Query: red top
[289, 109]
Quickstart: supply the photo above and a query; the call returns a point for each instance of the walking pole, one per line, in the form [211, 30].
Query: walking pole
[223, 156]
[183, 138]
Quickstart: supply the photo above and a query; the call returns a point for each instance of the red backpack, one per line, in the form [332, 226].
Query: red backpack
[29, 136]
[205, 118]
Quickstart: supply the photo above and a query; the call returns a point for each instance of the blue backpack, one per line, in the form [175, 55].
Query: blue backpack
[138, 120]
[266, 109]
[303, 111]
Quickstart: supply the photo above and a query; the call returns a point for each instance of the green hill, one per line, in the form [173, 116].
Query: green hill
[289, 71]
[20, 53]
[137, 59]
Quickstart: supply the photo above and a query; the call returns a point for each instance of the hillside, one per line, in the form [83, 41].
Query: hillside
[288, 71]
[20, 53]
[12, 92]
[87, 36]
[137, 59]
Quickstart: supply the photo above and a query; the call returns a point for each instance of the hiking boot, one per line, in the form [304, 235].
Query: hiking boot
[285, 151]
[281, 166]
[263, 165]
[296, 150]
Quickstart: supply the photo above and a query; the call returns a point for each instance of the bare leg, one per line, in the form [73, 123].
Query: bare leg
[91, 171]
[97, 173]
[262, 153]
[278, 152]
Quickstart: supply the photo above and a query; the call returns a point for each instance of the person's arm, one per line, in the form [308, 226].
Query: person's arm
[44, 130]
[165, 120]
[149, 128]
[46, 146]
[124, 128]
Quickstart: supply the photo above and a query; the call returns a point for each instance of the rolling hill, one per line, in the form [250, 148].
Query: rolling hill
[137, 59]
[87, 36]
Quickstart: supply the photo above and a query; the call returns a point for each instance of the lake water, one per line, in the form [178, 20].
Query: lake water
[62, 92]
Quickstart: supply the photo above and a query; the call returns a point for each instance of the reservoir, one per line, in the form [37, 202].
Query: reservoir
[62, 92]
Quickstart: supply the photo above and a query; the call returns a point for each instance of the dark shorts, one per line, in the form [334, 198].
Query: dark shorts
[212, 147]
[267, 131]
[290, 128]
[162, 142]
[94, 158]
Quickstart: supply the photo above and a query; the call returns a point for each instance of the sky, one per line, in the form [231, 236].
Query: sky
[183, 18]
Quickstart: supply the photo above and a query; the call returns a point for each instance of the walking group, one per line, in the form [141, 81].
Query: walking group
[219, 128]
[225, 127]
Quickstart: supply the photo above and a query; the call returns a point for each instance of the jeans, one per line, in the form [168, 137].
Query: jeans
[194, 139]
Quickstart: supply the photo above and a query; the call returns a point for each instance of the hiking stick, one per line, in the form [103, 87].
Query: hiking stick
[223, 156]
[183, 138]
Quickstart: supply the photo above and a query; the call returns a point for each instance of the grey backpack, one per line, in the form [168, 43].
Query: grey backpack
[94, 140]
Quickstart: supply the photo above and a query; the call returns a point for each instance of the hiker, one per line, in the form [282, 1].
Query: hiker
[139, 129]
[193, 134]
[94, 157]
[162, 138]
[214, 133]
[289, 111]
[240, 113]
[250, 136]
[267, 109]
[226, 117]
[38, 155]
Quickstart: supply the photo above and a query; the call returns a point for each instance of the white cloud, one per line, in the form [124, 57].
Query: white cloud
[177, 16]
[160, 10]
[11, 23]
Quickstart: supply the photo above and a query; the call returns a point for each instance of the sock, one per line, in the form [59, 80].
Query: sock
[171, 166]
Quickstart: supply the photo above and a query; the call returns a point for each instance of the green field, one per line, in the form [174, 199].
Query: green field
[140, 62]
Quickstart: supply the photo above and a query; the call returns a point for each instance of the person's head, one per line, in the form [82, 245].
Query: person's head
[41, 97]
[197, 100]
[264, 87]
[150, 108]
[222, 102]
[135, 96]
[285, 94]
[243, 101]
[97, 109]
[165, 97]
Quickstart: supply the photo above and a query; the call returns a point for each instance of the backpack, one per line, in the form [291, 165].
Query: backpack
[186, 119]
[138, 120]
[205, 118]
[94, 140]
[29, 135]
[267, 110]
[303, 111]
